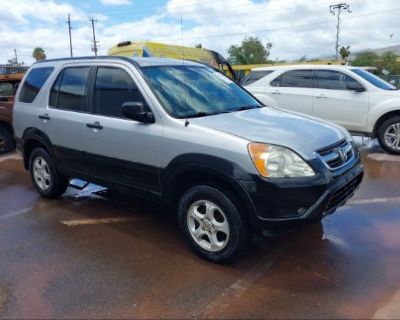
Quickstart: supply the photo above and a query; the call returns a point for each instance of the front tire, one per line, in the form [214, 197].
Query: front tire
[389, 135]
[45, 177]
[212, 224]
[7, 142]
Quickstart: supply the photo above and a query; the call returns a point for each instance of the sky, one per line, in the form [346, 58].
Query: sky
[296, 28]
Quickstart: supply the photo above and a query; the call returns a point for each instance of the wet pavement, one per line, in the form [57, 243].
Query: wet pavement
[85, 256]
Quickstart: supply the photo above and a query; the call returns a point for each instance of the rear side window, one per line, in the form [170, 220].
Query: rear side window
[69, 90]
[254, 76]
[333, 80]
[294, 79]
[113, 88]
[33, 83]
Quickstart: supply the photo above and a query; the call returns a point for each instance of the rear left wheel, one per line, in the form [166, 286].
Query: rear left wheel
[45, 176]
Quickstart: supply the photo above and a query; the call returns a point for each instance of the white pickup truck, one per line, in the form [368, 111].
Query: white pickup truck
[349, 96]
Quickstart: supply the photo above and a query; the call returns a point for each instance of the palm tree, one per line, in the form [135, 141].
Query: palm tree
[344, 53]
[39, 54]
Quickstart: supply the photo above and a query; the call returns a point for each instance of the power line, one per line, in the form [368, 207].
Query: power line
[332, 9]
[94, 45]
[70, 37]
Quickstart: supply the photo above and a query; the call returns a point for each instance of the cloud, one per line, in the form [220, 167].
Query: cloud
[115, 2]
[295, 27]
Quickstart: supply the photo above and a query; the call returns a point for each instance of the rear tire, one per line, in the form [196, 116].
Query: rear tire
[7, 142]
[45, 176]
[389, 135]
[212, 224]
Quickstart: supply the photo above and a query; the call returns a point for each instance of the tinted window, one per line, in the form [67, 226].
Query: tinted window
[68, 92]
[33, 83]
[113, 88]
[297, 78]
[254, 76]
[334, 80]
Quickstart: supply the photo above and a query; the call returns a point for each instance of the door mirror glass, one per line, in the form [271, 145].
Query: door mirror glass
[135, 111]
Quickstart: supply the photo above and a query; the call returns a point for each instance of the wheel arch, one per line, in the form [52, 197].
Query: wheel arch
[212, 171]
[33, 138]
[382, 119]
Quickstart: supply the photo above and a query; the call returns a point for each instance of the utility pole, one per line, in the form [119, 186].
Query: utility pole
[16, 57]
[332, 9]
[94, 47]
[70, 38]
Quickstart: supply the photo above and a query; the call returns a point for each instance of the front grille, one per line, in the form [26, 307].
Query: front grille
[344, 192]
[337, 155]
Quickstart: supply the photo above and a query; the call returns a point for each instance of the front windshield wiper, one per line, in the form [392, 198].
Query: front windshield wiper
[247, 107]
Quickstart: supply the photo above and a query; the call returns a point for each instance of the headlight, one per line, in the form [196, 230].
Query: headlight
[278, 162]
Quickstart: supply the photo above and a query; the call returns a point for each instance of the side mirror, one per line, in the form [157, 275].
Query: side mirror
[355, 86]
[135, 111]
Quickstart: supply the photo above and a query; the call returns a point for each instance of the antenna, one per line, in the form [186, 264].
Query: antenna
[183, 64]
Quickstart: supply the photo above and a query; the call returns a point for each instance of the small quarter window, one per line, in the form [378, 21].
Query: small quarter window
[33, 83]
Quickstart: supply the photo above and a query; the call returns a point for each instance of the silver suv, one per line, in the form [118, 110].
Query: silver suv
[186, 135]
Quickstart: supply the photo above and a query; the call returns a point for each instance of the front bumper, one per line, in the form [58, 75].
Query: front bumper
[284, 201]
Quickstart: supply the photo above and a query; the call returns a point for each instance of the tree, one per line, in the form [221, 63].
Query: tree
[251, 51]
[365, 59]
[344, 53]
[39, 54]
[199, 46]
[389, 61]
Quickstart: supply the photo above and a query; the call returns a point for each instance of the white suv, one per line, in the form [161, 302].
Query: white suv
[349, 96]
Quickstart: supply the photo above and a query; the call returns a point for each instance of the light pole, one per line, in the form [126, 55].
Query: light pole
[332, 9]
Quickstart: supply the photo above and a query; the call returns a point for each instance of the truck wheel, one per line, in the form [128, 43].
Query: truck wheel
[45, 177]
[389, 135]
[7, 142]
[212, 225]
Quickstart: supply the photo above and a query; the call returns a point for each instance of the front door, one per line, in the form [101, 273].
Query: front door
[333, 100]
[293, 90]
[119, 150]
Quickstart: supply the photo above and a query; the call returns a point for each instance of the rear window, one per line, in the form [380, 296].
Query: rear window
[254, 76]
[33, 83]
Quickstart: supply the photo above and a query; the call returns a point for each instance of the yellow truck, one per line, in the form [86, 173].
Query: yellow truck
[162, 50]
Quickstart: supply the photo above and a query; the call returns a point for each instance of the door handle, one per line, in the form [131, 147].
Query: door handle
[44, 117]
[276, 92]
[95, 125]
[321, 96]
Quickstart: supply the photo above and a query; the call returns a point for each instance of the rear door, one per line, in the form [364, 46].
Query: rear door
[119, 150]
[293, 90]
[65, 118]
[333, 100]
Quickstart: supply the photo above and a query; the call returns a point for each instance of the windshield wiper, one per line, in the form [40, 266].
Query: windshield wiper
[248, 107]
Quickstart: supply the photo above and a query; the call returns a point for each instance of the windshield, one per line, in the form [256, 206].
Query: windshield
[196, 91]
[373, 79]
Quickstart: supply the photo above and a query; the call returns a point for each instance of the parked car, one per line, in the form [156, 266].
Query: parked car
[8, 86]
[351, 97]
[184, 135]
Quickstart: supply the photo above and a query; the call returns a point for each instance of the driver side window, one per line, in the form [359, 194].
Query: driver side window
[334, 80]
[112, 89]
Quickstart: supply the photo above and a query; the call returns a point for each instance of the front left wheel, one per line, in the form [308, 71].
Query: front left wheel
[45, 176]
[212, 224]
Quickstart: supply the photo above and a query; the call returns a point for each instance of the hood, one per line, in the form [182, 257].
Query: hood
[268, 125]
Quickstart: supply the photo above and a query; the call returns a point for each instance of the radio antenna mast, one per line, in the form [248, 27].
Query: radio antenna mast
[183, 65]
